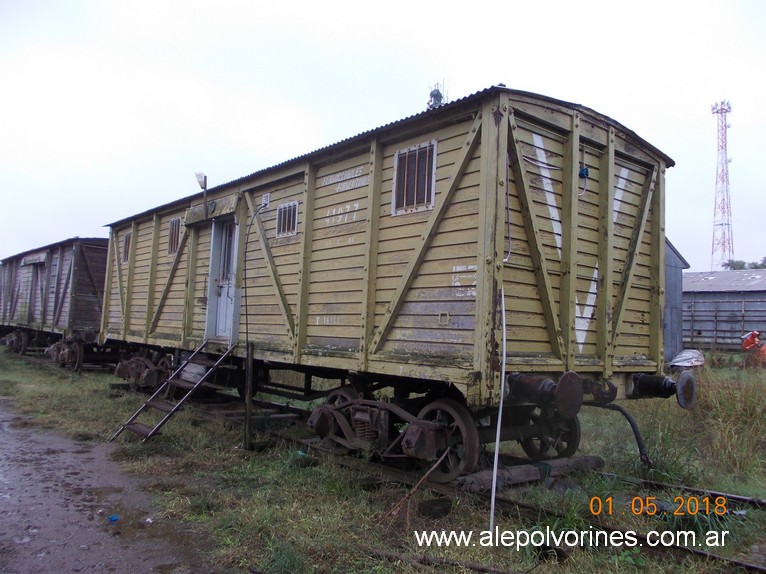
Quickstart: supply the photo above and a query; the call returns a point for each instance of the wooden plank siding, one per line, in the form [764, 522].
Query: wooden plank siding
[416, 293]
[56, 289]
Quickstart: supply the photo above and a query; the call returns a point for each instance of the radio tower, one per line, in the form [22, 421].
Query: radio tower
[723, 239]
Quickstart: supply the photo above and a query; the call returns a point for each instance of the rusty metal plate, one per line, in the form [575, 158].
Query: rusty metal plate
[686, 390]
[568, 395]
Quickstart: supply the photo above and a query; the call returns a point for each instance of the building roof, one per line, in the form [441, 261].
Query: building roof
[684, 263]
[71, 240]
[717, 281]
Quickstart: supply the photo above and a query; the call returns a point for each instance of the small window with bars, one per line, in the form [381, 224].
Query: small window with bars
[414, 177]
[126, 246]
[174, 235]
[287, 219]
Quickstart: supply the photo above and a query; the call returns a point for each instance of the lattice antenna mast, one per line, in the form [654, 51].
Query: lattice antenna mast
[723, 239]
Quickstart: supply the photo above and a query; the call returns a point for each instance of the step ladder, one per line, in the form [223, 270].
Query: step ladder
[186, 377]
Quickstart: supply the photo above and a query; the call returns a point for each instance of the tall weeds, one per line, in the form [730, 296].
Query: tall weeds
[732, 414]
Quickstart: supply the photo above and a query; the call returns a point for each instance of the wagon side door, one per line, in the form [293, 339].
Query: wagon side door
[223, 298]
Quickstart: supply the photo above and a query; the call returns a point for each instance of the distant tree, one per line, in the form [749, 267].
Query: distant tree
[739, 265]
[734, 265]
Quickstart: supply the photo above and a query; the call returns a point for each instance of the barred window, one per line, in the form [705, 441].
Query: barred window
[414, 176]
[287, 219]
[174, 235]
[126, 246]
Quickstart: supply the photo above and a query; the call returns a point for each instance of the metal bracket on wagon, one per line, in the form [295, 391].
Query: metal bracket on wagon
[685, 388]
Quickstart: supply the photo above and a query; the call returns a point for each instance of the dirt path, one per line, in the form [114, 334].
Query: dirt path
[65, 506]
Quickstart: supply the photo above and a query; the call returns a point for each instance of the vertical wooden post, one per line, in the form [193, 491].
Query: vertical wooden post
[657, 298]
[152, 276]
[107, 288]
[494, 122]
[371, 259]
[130, 279]
[191, 283]
[568, 295]
[304, 272]
[605, 304]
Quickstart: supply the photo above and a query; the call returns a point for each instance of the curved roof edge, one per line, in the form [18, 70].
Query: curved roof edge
[498, 89]
[57, 244]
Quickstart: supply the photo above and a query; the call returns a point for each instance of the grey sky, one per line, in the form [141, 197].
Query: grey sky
[108, 108]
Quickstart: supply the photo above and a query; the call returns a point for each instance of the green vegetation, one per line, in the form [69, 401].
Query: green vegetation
[272, 512]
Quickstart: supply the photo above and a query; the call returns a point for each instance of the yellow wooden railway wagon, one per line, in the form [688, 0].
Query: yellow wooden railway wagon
[503, 245]
[54, 294]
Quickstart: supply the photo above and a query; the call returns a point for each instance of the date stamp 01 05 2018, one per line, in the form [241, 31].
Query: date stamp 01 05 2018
[648, 506]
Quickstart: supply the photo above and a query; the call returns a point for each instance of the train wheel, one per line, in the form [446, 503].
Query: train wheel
[463, 439]
[165, 368]
[536, 447]
[23, 342]
[567, 437]
[557, 432]
[342, 395]
[76, 357]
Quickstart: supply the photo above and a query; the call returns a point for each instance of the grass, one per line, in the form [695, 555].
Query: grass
[270, 512]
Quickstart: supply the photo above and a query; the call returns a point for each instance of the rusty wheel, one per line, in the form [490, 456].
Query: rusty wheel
[462, 439]
[342, 395]
[23, 342]
[75, 357]
[155, 376]
[556, 432]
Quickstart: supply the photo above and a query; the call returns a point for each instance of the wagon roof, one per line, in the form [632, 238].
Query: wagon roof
[387, 128]
[716, 281]
[103, 240]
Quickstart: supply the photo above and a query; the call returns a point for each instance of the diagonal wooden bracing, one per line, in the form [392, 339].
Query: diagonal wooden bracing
[120, 288]
[168, 284]
[440, 208]
[276, 283]
[629, 270]
[191, 274]
[133, 247]
[59, 299]
[149, 304]
[533, 238]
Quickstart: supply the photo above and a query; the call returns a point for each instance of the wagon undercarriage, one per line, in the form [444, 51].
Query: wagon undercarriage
[439, 430]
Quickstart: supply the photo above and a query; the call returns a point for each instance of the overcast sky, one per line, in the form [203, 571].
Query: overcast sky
[108, 108]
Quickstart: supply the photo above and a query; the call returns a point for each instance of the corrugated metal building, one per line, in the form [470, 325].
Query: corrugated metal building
[721, 306]
[673, 328]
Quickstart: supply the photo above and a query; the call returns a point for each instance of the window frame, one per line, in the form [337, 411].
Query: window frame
[174, 235]
[127, 240]
[429, 191]
[282, 220]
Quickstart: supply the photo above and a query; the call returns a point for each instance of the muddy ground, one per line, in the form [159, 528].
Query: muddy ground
[65, 506]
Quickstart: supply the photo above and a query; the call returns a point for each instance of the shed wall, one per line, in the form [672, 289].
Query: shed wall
[717, 320]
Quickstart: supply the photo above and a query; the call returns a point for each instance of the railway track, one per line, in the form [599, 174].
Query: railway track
[227, 407]
[513, 472]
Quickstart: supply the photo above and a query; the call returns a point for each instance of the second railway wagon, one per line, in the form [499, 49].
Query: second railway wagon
[53, 294]
[503, 245]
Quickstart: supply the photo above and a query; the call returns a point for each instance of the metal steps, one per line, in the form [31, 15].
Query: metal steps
[189, 377]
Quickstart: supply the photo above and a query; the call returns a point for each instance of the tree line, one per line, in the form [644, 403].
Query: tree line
[738, 265]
